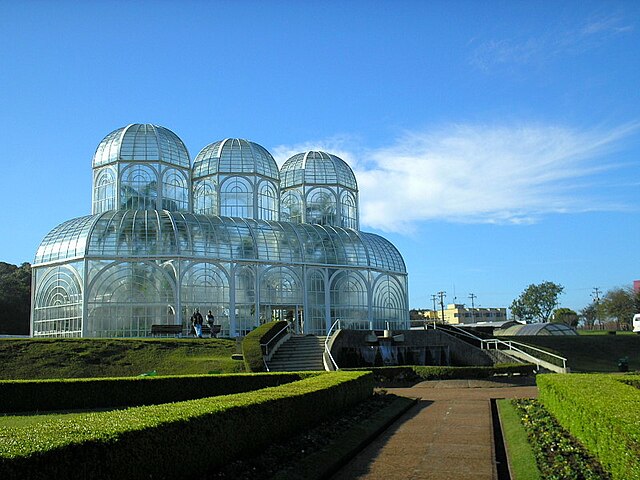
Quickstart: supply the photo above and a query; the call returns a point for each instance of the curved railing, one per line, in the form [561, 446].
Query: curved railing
[521, 348]
[326, 344]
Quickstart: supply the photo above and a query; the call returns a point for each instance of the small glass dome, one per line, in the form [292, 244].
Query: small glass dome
[317, 168]
[236, 178]
[232, 156]
[142, 142]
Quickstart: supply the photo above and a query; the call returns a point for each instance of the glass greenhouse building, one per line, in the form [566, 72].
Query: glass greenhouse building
[230, 233]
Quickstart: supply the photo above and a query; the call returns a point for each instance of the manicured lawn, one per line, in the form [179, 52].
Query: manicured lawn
[521, 459]
[87, 358]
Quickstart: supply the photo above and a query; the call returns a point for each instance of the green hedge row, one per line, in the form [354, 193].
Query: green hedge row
[602, 412]
[69, 394]
[416, 372]
[179, 440]
[251, 345]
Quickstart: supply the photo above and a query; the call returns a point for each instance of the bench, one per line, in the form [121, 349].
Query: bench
[165, 329]
[215, 329]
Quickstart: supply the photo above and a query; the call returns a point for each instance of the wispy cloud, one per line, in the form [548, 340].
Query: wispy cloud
[539, 49]
[477, 173]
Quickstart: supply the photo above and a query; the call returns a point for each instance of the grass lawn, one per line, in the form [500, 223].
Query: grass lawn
[88, 358]
[521, 459]
[590, 353]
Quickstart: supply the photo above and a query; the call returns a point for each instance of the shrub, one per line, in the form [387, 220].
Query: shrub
[558, 455]
[252, 344]
[601, 411]
[42, 395]
[146, 442]
[416, 372]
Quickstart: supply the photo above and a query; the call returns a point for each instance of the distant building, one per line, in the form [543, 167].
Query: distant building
[636, 286]
[456, 313]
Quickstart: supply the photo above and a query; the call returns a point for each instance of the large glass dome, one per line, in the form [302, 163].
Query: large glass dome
[142, 142]
[126, 233]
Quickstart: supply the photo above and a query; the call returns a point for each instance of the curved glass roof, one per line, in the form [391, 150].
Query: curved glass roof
[317, 168]
[151, 233]
[235, 155]
[142, 142]
[539, 329]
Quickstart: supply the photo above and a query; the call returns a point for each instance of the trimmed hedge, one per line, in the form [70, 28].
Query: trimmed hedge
[68, 394]
[601, 411]
[251, 345]
[417, 372]
[150, 442]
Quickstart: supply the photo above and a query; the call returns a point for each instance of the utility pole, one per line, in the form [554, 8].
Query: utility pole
[596, 298]
[473, 313]
[442, 295]
[433, 298]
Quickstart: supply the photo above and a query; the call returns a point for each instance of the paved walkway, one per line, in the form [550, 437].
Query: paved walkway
[448, 435]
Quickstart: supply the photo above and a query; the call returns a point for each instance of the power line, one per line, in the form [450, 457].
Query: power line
[473, 296]
[442, 295]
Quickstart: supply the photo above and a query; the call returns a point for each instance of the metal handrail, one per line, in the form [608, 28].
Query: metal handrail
[326, 344]
[486, 344]
[265, 346]
[510, 343]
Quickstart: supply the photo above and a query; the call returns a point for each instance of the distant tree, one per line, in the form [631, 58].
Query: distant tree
[15, 298]
[566, 316]
[589, 315]
[536, 302]
[619, 304]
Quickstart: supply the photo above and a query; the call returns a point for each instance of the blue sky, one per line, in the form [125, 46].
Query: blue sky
[495, 143]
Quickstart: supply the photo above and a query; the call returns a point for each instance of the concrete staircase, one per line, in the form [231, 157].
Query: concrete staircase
[300, 352]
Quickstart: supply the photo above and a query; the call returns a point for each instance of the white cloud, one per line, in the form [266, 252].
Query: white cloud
[476, 173]
[551, 44]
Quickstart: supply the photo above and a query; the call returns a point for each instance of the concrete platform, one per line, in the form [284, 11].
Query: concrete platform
[448, 435]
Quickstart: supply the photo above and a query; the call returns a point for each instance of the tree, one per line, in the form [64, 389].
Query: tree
[589, 315]
[566, 316]
[536, 302]
[619, 304]
[15, 298]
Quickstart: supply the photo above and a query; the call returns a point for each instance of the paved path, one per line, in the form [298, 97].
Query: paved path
[448, 435]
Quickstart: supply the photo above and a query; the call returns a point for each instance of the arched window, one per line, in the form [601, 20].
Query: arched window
[315, 313]
[104, 191]
[349, 300]
[291, 210]
[205, 198]
[267, 202]
[389, 303]
[57, 309]
[206, 286]
[126, 298]
[349, 216]
[139, 188]
[321, 207]
[236, 198]
[175, 191]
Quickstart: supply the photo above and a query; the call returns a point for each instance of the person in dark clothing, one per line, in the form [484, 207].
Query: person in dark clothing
[196, 321]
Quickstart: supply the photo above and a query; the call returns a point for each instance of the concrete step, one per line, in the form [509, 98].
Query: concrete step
[299, 353]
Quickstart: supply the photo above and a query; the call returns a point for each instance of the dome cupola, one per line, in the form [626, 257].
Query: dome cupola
[236, 178]
[141, 166]
[318, 187]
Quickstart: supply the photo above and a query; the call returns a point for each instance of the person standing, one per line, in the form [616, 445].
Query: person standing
[210, 321]
[196, 320]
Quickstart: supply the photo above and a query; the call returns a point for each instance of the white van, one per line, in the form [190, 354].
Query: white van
[636, 323]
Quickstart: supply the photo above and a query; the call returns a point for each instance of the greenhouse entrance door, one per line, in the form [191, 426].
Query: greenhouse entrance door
[290, 313]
